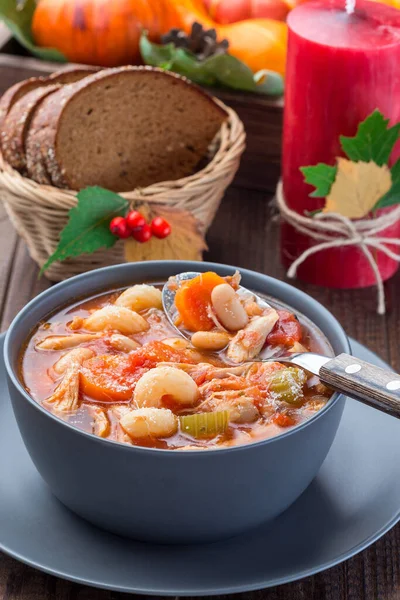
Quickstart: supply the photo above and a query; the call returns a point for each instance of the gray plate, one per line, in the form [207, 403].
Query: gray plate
[352, 502]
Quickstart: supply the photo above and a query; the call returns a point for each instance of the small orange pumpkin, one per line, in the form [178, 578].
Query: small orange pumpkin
[231, 11]
[259, 43]
[100, 32]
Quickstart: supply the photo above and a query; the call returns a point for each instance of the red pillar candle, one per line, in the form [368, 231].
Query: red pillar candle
[340, 68]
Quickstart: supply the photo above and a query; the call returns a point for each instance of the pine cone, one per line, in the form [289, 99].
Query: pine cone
[201, 42]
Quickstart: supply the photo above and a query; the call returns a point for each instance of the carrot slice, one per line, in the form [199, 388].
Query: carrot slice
[193, 301]
[155, 352]
[113, 377]
[109, 378]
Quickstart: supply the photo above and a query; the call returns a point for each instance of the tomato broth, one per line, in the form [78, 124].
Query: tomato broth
[114, 366]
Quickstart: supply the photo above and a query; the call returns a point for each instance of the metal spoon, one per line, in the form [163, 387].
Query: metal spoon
[374, 386]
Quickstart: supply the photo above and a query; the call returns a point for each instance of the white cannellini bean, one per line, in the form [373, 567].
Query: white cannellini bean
[62, 342]
[119, 318]
[210, 340]
[140, 297]
[248, 342]
[123, 343]
[77, 355]
[165, 381]
[145, 422]
[228, 307]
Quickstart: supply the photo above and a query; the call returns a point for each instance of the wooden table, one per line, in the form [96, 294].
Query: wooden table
[243, 235]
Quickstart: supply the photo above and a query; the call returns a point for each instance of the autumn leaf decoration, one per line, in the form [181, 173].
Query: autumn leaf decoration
[184, 243]
[363, 182]
[88, 230]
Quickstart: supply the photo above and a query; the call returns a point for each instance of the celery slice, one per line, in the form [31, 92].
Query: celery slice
[287, 384]
[205, 425]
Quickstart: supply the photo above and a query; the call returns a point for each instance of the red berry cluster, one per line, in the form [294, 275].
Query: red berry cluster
[134, 224]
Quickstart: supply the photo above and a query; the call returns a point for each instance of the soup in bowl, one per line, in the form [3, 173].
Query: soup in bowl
[162, 438]
[114, 366]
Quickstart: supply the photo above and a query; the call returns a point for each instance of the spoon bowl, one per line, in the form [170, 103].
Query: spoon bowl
[168, 299]
[362, 381]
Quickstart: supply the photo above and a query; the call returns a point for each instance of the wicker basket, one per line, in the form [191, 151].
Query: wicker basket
[40, 212]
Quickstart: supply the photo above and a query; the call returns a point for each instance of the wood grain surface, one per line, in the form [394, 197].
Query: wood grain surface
[243, 234]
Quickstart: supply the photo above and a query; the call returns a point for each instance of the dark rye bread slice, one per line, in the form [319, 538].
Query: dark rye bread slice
[16, 124]
[72, 73]
[66, 75]
[14, 93]
[124, 128]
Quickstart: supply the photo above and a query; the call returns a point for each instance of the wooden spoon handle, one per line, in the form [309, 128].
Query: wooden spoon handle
[379, 388]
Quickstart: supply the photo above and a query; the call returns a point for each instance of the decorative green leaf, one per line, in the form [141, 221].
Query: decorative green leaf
[374, 140]
[18, 18]
[373, 143]
[321, 176]
[155, 54]
[393, 195]
[219, 69]
[87, 229]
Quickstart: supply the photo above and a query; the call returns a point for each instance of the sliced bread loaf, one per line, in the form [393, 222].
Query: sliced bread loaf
[16, 124]
[68, 74]
[65, 76]
[123, 128]
[14, 93]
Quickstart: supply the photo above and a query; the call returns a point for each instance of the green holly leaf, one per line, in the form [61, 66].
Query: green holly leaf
[321, 176]
[374, 140]
[87, 229]
[17, 15]
[393, 195]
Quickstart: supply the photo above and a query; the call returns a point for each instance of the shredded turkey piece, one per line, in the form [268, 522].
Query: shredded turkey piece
[234, 280]
[101, 423]
[249, 341]
[66, 396]
[241, 408]
[76, 355]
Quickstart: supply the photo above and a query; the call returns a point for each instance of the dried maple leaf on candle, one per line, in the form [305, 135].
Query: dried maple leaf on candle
[185, 241]
[357, 188]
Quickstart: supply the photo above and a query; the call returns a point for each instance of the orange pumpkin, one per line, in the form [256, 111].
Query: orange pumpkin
[231, 11]
[107, 32]
[100, 32]
[260, 43]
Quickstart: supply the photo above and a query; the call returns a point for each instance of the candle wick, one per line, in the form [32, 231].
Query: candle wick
[350, 6]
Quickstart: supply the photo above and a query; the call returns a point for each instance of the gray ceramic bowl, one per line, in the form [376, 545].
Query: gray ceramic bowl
[165, 495]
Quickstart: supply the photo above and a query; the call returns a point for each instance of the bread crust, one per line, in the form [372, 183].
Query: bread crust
[35, 165]
[43, 135]
[14, 93]
[16, 124]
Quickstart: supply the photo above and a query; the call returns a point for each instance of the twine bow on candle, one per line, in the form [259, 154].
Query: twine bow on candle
[333, 230]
